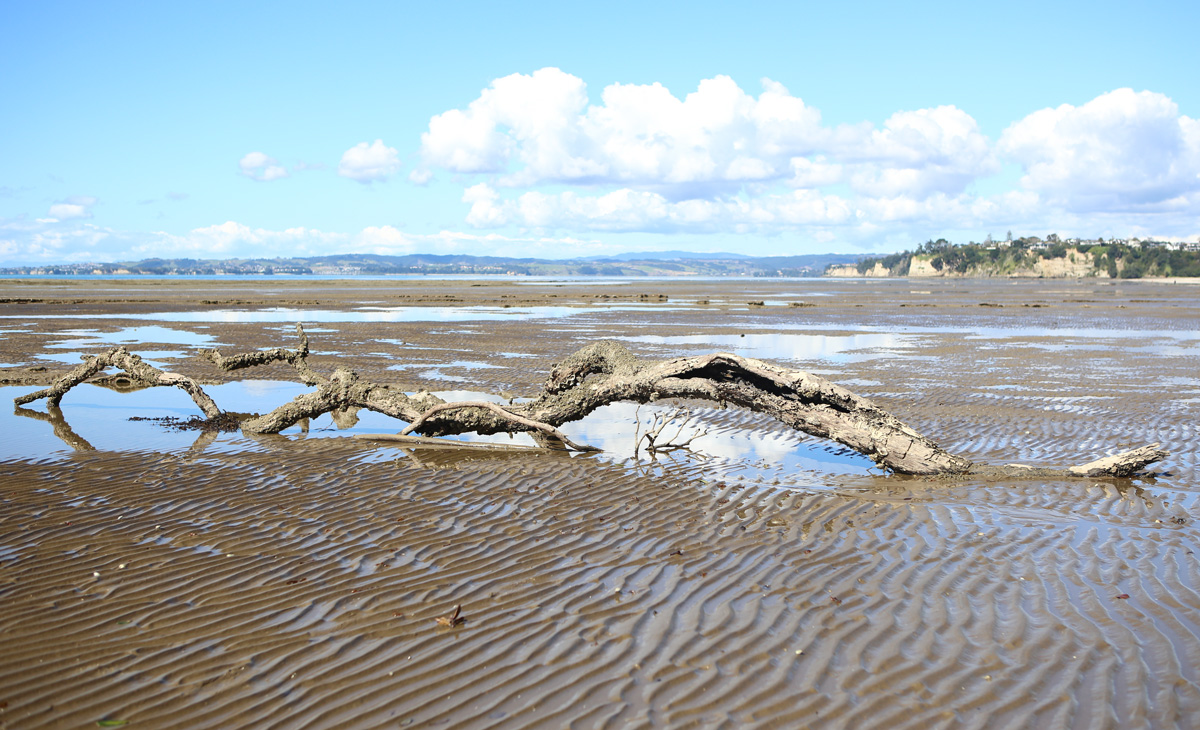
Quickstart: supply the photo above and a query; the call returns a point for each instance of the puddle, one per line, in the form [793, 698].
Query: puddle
[795, 347]
[84, 339]
[95, 418]
[751, 451]
[436, 374]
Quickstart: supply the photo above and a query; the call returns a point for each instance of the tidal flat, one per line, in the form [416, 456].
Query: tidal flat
[764, 579]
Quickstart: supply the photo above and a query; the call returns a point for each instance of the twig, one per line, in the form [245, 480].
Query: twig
[659, 423]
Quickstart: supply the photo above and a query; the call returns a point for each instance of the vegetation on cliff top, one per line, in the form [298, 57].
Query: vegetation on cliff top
[1115, 258]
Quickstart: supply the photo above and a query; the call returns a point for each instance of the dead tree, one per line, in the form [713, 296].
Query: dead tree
[602, 373]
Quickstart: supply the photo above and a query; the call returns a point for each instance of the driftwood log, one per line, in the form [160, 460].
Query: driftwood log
[599, 374]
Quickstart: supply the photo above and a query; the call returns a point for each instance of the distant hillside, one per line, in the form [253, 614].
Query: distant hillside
[1033, 257]
[673, 263]
[670, 256]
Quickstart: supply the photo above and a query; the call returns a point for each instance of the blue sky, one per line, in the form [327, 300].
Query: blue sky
[134, 130]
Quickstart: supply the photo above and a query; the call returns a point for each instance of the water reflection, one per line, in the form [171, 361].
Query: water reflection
[89, 338]
[62, 429]
[93, 418]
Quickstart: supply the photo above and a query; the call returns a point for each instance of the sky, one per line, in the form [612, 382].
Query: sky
[556, 130]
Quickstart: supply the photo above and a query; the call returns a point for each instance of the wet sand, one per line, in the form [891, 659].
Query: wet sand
[296, 582]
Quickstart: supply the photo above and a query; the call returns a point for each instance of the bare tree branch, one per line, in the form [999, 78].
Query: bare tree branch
[133, 365]
[297, 358]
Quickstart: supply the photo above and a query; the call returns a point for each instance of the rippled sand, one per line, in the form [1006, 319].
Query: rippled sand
[297, 583]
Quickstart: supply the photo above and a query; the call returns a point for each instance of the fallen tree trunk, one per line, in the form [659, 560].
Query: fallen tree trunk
[597, 375]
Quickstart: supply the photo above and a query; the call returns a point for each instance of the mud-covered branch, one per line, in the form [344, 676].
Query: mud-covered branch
[137, 369]
[502, 413]
[297, 358]
[801, 400]
[597, 375]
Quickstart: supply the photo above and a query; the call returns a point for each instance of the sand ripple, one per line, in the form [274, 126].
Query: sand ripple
[300, 588]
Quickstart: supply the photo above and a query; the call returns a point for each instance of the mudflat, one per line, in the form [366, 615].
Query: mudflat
[174, 578]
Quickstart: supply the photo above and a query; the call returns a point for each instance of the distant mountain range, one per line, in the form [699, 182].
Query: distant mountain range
[657, 263]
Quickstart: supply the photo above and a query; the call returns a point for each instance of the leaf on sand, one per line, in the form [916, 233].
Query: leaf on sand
[452, 620]
[112, 723]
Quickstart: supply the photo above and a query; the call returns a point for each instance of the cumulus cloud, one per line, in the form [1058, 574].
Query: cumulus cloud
[384, 240]
[259, 166]
[641, 134]
[1122, 150]
[918, 154]
[485, 211]
[26, 241]
[78, 206]
[232, 237]
[53, 240]
[640, 210]
[721, 159]
[537, 129]
[67, 211]
[369, 163]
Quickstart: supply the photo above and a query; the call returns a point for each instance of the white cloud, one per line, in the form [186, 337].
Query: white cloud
[75, 207]
[919, 153]
[720, 159]
[258, 166]
[640, 134]
[485, 212]
[1123, 150]
[232, 237]
[369, 163]
[66, 211]
[384, 240]
[640, 210]
[537, 129]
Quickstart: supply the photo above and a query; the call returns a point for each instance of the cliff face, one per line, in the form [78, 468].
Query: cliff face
[1074, 264]
[850, 270]
[923, 266]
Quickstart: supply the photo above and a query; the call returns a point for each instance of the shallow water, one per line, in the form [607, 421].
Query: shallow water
[794, 347]
[91, 338]
[372, 314]
[94, 418]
